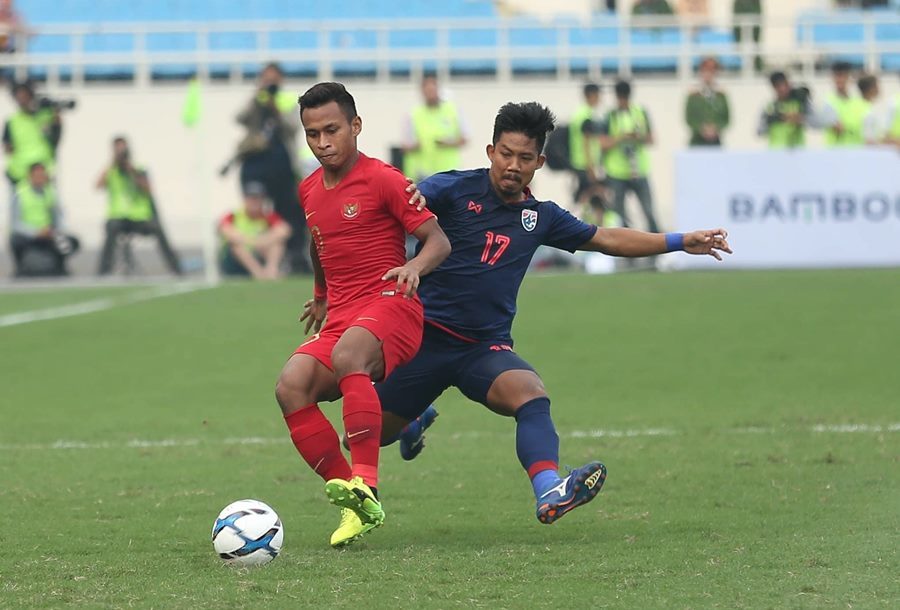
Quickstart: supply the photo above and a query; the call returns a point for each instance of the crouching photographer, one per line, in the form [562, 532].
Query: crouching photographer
[784, 121]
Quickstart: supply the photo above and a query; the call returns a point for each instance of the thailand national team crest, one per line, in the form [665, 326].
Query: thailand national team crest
[529, 219]
[351, 210]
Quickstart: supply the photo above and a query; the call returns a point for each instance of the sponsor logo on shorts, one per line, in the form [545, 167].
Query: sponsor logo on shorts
[388, 293]
[475, 207]
[350, 210]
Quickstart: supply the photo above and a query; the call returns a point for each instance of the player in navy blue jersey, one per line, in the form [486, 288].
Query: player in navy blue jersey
[495, 225]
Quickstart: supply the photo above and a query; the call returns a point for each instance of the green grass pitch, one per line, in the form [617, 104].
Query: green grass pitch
[749, 422]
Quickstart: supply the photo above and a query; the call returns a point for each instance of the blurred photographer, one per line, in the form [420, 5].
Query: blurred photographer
[32, 134]
[267, 154]
[132, 210]
[624, 137]
[784, 120]
[39, 245]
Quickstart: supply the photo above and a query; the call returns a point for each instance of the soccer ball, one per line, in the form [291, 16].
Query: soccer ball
[247, 533]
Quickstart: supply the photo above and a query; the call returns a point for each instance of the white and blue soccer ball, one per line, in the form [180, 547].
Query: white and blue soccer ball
[247, 533]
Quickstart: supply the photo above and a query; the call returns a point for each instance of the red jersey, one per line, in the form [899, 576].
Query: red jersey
[359, 228]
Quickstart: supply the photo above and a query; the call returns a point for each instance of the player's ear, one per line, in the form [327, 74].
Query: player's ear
[490, 152]
[356, 125]
[540, 161]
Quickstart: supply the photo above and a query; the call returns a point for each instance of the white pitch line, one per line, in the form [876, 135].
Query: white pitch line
[95, 305]
[67, 445]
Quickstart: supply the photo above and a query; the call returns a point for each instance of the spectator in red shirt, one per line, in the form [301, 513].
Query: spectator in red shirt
[254, 237]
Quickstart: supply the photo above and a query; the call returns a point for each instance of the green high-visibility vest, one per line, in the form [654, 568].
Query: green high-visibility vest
[577, 158]
[284, 101]
[36, 208]
[126, 200]
[618, 161]
[783, 134]
[29, 143]
[433, 123]
[894, 129]
[851, 112]
[247, 226]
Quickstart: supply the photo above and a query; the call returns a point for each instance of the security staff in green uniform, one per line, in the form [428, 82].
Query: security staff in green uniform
[435, 134]
[783, 121]
[843, 114]
[706, 111]
[268, 155]
[625, 135]
[38, 244]
[585, 152]
[131, 209]
[31, 135]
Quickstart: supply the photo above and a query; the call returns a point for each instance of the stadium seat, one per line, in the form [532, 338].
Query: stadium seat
[666, 39]
[825, 31]
[100, 44]
[718, 43]
[420, 41]
[529, 36]
[295, 40]
[353, 40]
[171, 43]
[599, 41]
[483, 44]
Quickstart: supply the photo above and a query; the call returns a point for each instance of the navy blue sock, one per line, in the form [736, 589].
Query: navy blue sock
[537, 444]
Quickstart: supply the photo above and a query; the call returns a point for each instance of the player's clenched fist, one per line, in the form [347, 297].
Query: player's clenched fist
[407, 279]
[709, 242]
[314, 312]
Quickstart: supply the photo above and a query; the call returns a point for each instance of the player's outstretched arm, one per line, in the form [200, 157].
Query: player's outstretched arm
[435, 248]
[631, 243]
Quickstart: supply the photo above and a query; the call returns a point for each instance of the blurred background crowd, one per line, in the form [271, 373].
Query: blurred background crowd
[211, 88]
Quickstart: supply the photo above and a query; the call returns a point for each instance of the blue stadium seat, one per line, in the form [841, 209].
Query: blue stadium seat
[889, 32]
[666, 39]
[295, 40]
[99, 44]
[599, 40]
[170, 43]
[423, 41]
[356, 40]
[825, 31]
[484, 40]
[525, 34]
[719, 44]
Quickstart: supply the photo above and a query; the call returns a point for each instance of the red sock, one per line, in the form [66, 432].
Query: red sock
[362, 425]
[316, 440]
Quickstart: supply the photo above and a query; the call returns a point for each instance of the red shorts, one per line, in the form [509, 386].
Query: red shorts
[396, 321]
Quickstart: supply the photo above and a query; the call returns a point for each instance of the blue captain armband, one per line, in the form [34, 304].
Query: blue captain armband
[674, 241]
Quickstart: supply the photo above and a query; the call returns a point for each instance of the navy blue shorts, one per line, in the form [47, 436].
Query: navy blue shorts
[445, 361]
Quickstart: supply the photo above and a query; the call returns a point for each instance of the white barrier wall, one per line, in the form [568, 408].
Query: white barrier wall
[835, 208]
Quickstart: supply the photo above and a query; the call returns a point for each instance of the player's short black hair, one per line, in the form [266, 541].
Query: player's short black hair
[529, 118]
[623, 89]
[323, 93]
[591, 89]
[840, 67]
[776, 78]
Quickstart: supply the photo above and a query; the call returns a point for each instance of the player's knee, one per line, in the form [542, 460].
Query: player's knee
[346, 361]
[292, 393]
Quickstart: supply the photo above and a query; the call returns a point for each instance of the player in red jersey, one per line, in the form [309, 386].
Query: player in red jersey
[358, 215]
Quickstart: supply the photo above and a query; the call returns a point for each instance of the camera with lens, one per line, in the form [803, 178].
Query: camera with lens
[48, 102]
[803, 96]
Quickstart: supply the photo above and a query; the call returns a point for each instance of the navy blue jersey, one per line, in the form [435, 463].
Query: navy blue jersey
[473, 292]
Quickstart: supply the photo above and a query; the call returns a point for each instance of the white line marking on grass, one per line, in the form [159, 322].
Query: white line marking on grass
[621, 433]
[95, 305]
[850, 428]
[68, 445]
